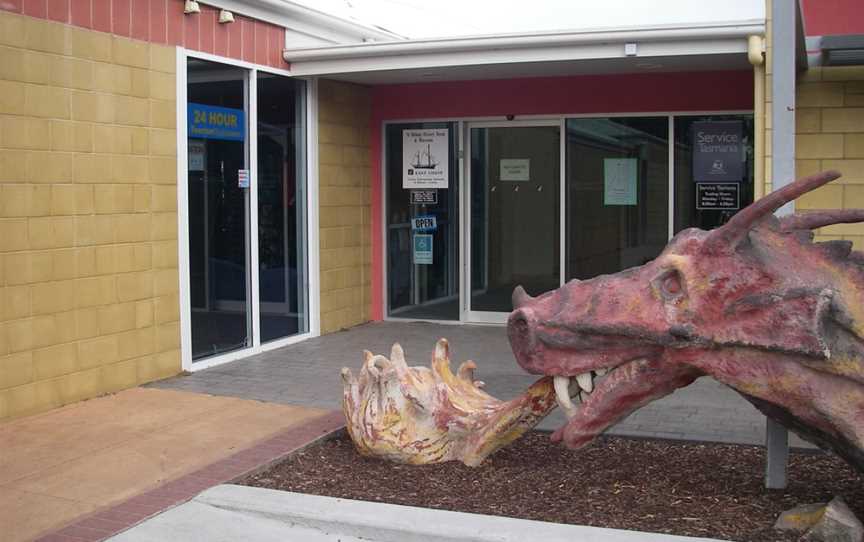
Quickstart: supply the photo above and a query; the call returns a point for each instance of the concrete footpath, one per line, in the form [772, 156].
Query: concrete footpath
[307, 374]
[71, 462]
[226, 513]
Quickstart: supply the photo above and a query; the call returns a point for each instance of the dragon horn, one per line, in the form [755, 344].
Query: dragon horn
[520, 297]
[819, 219]
[733, 232]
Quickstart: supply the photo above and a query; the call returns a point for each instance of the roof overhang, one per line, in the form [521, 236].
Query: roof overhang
[311, 22]
[689, 47]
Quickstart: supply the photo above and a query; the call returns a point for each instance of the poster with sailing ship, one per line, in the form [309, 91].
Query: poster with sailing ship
[425, 158]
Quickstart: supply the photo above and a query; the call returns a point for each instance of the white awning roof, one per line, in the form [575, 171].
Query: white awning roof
[692, 47]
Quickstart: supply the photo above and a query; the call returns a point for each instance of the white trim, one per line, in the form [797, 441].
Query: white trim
[183, 215]
[313, 250]
[254, 267]
[242, 353]
[236, 62]
[562, 204]
[671, 165]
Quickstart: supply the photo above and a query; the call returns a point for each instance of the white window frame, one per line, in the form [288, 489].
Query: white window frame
[465, 123]
[312, 237]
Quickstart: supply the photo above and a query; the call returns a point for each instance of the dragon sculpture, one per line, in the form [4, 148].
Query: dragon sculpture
[755, 304]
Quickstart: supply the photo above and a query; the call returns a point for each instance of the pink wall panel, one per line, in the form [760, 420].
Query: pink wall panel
[163, 21]
[261, 31]
[58, 10]
[81, 14]
[660, 92]
[221, 37]
[36, 8]
[248, 38]
[191, 32]
[101, 10]
[207, 30]
[12, 5]
[158, 21]
[827, 17]
[141, 19]
[235, 40]
[174, 27]
[121, 17]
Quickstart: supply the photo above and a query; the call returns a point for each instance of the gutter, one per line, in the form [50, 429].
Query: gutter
[725, 31]
[305, 20]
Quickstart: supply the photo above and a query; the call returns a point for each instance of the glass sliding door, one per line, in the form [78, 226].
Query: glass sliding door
[617, 188]
[246, 209]
[422, 221]
[218, 208]
[281, 214]
[514, 208]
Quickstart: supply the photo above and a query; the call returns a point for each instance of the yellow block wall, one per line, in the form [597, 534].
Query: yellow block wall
[345, 206]
[829, 134]
[88, 217]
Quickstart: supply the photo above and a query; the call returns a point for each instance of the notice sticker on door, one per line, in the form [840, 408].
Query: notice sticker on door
[422, 249]
[619, 181]
[197, 151]
[425, 158]
[424, 223]
[243, 178]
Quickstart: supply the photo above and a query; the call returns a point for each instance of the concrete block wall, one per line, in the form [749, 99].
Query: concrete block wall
[345, 209]
[88, 214]
[829, 134]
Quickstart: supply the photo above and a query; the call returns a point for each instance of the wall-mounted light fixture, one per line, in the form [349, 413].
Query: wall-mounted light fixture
[226, 16]
[191, 7]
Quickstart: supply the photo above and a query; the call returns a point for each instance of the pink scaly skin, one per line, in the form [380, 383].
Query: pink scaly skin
[755, 304]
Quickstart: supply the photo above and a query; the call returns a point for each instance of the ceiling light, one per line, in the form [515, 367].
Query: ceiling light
[191, 7]
[226, 16]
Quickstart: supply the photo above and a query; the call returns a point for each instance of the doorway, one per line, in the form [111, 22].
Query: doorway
[513, 215]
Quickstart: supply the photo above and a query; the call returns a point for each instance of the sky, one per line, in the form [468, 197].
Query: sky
[442, 18]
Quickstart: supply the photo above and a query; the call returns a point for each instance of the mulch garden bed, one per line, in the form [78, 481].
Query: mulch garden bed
[695, 489]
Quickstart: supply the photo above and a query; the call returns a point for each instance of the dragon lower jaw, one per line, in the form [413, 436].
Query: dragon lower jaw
[613, 396]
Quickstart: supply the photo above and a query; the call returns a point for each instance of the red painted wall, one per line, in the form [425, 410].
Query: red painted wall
[827, 17]
[163, 21]
[626, 93]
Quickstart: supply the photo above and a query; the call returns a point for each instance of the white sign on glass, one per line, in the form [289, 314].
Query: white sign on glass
[514, 169]
[197, 150]
[619, 181]
[425, 158]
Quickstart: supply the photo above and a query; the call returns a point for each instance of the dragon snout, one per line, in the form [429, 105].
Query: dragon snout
[521, 330]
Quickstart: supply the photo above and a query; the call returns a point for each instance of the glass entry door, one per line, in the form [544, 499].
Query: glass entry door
[513, 228]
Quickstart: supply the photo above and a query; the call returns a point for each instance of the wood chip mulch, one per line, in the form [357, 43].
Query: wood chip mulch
[695, 489]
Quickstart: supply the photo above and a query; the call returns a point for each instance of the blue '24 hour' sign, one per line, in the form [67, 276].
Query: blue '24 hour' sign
[212, 122]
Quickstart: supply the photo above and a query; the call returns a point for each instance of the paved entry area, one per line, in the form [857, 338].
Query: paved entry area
[65, 464]
[308, 374]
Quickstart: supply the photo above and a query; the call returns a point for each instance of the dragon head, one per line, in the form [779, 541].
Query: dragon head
[755, 304]
[420, 415]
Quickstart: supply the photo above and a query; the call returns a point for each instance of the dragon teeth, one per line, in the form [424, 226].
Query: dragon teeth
[562, 393]
[585, 382]
[601, 372]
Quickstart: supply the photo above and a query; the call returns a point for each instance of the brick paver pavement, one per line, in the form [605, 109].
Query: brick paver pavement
[307, 374]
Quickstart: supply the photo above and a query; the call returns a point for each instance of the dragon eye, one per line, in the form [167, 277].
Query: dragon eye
[670, 284]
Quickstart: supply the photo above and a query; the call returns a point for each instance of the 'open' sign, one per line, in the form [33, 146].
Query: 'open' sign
[424, 223]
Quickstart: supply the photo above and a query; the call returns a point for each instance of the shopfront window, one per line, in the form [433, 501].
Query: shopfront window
[422, 186]
[281, 216]
[713, 169]
[223, 268]
[617, 187]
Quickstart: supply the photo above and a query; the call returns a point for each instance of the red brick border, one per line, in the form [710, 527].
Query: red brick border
[114, 519]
